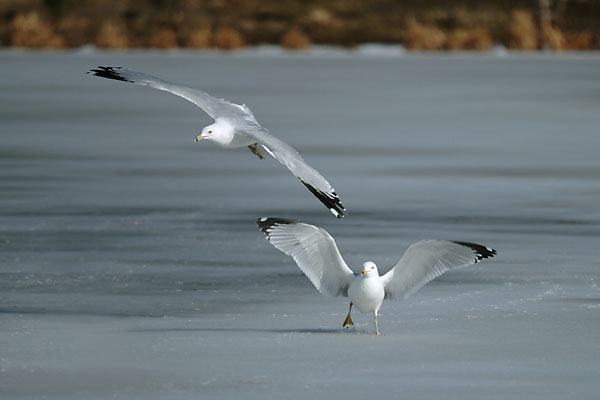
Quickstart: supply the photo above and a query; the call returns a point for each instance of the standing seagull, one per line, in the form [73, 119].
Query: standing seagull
[235, 126]
[317, 255]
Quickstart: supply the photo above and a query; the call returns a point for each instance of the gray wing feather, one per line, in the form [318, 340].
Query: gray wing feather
[288, 156]
[426, 260]
[314, 250]
[211, 105]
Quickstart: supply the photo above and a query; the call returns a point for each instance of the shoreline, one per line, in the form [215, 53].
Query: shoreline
[366, 50]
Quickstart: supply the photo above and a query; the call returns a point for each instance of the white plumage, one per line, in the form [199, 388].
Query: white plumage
[317, 255]
[236, 126]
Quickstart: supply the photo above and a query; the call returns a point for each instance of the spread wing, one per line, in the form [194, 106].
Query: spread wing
[314, 250]
[311, 178]
[211, 105]
[426, 260]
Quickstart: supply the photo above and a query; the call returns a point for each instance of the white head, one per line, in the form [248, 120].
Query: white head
[369, 269]
[220, 132]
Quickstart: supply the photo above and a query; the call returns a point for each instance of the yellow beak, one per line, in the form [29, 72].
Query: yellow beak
[200, 137]
[364, 272]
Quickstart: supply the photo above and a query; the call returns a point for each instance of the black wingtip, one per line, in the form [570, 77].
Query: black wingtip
[108, 72]
[266, 223]
[481, 251]
[333, 203]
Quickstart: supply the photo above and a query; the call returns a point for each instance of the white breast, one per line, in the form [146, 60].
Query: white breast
[366, 294]
[225, 134]
[240, 141]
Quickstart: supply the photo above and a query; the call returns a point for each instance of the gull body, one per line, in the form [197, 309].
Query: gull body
[222, 132]
[317, 255]
[366, 291]
[235, 126]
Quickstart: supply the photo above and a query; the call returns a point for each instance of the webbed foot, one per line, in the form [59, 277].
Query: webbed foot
[254, 149]
[348, 321]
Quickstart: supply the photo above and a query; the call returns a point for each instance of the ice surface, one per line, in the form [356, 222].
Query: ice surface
[131, 267]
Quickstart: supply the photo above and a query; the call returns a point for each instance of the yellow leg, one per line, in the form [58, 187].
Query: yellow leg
[254, 149]
[376, 328]
[348, 322]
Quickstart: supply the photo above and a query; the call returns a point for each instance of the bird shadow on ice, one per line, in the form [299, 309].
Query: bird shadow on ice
[254, 330]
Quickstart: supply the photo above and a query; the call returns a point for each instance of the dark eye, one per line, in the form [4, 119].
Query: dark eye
[372, 267]
[209, 131]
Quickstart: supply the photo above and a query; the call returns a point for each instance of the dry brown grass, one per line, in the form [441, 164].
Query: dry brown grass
[198, 39]
[29, 30]
[228, 39]
[469, 39]
[579, 41]
[523, 33]
[436, 25]
[164, 38]
[75, 30]
[322, 26]
[294, 39]
[420, 36]
[553, 38]
[112, 35]
[320, 16]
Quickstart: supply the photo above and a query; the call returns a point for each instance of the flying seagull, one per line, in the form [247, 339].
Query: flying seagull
[236, 126]
[317, 255]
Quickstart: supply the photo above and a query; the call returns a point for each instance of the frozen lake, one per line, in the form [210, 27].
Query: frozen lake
[131, 266]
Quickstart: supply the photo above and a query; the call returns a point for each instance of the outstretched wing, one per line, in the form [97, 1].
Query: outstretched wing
[314, 250]
[211, 105]
[311, 178]
[426, 260]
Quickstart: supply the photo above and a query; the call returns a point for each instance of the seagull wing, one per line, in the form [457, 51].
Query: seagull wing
[211, 105]
[288, 156]
[426, 260]
[314, 250]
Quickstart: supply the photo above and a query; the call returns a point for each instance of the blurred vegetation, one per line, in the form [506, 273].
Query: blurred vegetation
[296, 24]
